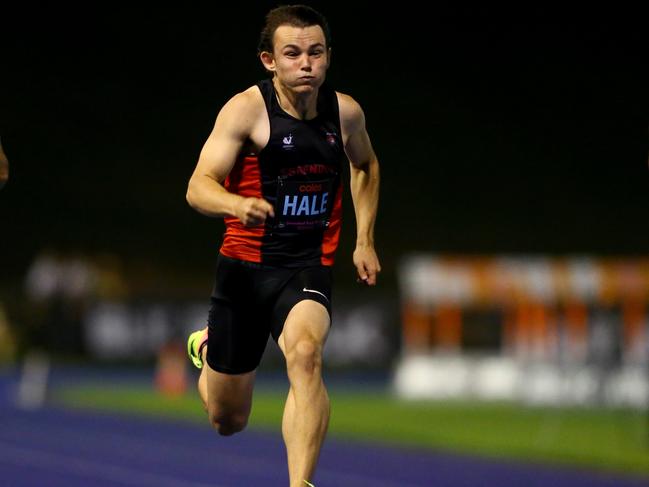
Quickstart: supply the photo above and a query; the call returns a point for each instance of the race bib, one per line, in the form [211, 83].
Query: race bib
[303, 205]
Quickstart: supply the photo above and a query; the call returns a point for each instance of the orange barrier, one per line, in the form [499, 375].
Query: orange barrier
[544, 301]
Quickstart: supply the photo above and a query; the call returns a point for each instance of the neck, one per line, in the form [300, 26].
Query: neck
[299, 105]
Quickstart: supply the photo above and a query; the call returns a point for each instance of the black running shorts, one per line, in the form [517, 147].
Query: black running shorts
[251, 301]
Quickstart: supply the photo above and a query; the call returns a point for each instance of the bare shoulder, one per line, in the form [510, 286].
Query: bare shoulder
[352, 117]
[247, 102]
[243, 109]
[249, 99]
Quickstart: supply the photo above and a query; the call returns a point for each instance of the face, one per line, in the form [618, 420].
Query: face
[300, 58]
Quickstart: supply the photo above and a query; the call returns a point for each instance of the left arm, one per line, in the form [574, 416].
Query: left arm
[364, 170]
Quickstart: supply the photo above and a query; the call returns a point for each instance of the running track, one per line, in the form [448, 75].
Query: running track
[53, 447]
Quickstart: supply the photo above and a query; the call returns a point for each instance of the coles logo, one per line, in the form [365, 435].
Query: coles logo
[310, 188]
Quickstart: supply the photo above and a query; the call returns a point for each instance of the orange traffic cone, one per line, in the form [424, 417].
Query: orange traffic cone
[171, 370]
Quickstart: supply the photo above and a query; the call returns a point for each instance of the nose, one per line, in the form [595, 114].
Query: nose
[306, 62]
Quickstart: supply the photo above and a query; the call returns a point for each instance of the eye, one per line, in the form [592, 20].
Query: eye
[290, 54]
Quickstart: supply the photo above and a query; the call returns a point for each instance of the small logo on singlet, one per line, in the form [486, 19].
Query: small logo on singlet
[331, 138]
[288, 142]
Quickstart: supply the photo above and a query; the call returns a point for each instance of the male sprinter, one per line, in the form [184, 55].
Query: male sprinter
[272, 169]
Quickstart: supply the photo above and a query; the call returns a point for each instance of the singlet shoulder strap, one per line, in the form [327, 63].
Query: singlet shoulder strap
[328, 104]
[268, 93]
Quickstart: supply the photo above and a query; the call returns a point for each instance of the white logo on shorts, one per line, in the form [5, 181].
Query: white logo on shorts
[314, 291]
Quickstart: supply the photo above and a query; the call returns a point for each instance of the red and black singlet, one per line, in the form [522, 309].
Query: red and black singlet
[299, 173]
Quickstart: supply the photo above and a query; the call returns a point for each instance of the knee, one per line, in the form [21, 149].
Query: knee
[228, 424]
[305, 358]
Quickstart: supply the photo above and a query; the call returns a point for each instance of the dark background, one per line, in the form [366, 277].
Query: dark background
[498, 131]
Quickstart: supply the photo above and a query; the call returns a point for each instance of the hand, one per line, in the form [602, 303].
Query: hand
[367, 264]
[253, 211]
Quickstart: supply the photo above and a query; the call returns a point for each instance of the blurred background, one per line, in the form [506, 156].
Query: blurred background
[512, 226]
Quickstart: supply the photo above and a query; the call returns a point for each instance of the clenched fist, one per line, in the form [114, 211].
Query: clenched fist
[253, 211]
[367, 264]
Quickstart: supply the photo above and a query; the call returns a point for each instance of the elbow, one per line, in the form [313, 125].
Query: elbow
[190, 196]
[374, 165]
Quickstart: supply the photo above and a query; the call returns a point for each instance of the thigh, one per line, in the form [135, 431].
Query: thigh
[304, 305]
[238, 325]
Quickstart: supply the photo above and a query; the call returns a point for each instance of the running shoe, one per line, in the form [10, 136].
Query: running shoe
[195, 344]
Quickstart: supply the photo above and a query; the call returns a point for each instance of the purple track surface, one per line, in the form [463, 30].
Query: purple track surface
[54, 447]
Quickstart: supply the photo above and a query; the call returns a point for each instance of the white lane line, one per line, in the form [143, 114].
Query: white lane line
[29, 457]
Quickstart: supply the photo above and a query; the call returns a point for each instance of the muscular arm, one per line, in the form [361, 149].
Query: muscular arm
[364, 169]
[205, 192]
[4, 168]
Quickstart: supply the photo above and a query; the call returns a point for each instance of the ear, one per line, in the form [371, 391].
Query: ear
[268, 60]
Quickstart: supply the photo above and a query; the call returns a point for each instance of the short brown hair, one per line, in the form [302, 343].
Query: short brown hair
[295, 15]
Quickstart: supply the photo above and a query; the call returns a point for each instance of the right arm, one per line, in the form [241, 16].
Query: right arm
[205, 192]
[4, 168]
